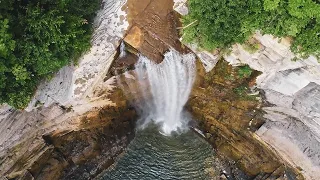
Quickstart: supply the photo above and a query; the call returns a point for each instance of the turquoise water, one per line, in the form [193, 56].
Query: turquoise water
[152, 156]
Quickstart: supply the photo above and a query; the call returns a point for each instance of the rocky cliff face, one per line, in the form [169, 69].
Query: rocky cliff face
[58, 143]
[74, 85]
[292, 89]
[229, 117]
[79, 121]
[153, 28]
[80, 153]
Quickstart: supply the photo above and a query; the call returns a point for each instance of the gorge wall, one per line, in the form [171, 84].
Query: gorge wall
[80, 148]
[289, 87]
[229, 117]
[80, 120]
[292, 90]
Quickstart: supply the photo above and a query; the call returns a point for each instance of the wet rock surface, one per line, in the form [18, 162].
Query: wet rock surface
[229, 117]
[78, 121]
[291, 88]
[75, 153]
[153, 29]
[287, 80]
[85, 123]
[90, 151]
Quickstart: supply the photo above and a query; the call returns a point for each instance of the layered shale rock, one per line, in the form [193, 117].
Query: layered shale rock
[78, 121]
[153, 28]
[68, 146]
[229, 117]
[291, 87]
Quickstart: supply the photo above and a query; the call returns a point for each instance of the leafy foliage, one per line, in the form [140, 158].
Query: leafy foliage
[221, 23]
[244, 71]
[37, 38]
[251, 46]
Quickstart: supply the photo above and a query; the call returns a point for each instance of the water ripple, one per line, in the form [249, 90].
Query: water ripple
[152, 156]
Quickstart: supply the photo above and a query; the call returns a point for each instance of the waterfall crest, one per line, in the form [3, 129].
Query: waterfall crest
[169, 84]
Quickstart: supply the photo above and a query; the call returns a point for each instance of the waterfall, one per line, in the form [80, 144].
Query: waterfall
[169, 84]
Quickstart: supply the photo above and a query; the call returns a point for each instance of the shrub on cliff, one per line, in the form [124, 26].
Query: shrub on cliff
[37, 38]
[221, 23]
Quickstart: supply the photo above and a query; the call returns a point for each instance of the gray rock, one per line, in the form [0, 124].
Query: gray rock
[293, 122]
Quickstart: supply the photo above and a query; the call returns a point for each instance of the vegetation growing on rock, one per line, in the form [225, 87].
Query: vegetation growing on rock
[228, 115]
[37, 38]
[219, 24]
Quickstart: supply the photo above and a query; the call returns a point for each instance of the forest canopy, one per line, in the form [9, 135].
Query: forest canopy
[220, 23]
[37, 38]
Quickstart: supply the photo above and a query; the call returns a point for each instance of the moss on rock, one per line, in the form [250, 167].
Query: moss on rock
[229, 116]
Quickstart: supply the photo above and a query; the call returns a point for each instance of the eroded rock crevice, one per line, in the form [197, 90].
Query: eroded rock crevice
[77, 153]
[96, 124]
[229, 116]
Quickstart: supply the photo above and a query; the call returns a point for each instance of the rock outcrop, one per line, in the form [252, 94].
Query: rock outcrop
[79, 121]
[59, 143]
[74, 85]
[153, 28]
[229, 118]
[292, 90]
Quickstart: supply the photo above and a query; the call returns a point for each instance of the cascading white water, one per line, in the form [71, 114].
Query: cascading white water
[170, 85]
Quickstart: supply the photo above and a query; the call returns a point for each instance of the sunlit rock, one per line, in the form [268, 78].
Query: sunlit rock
[153, 28]
[293, 88]
[78, 121]
[72, 84]
[181, 7]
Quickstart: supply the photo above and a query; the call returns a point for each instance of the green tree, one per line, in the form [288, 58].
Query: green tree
[221, 23]
[218, 22]
[37, 38]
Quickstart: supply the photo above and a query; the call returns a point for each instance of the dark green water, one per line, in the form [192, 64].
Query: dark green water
[152, 156]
